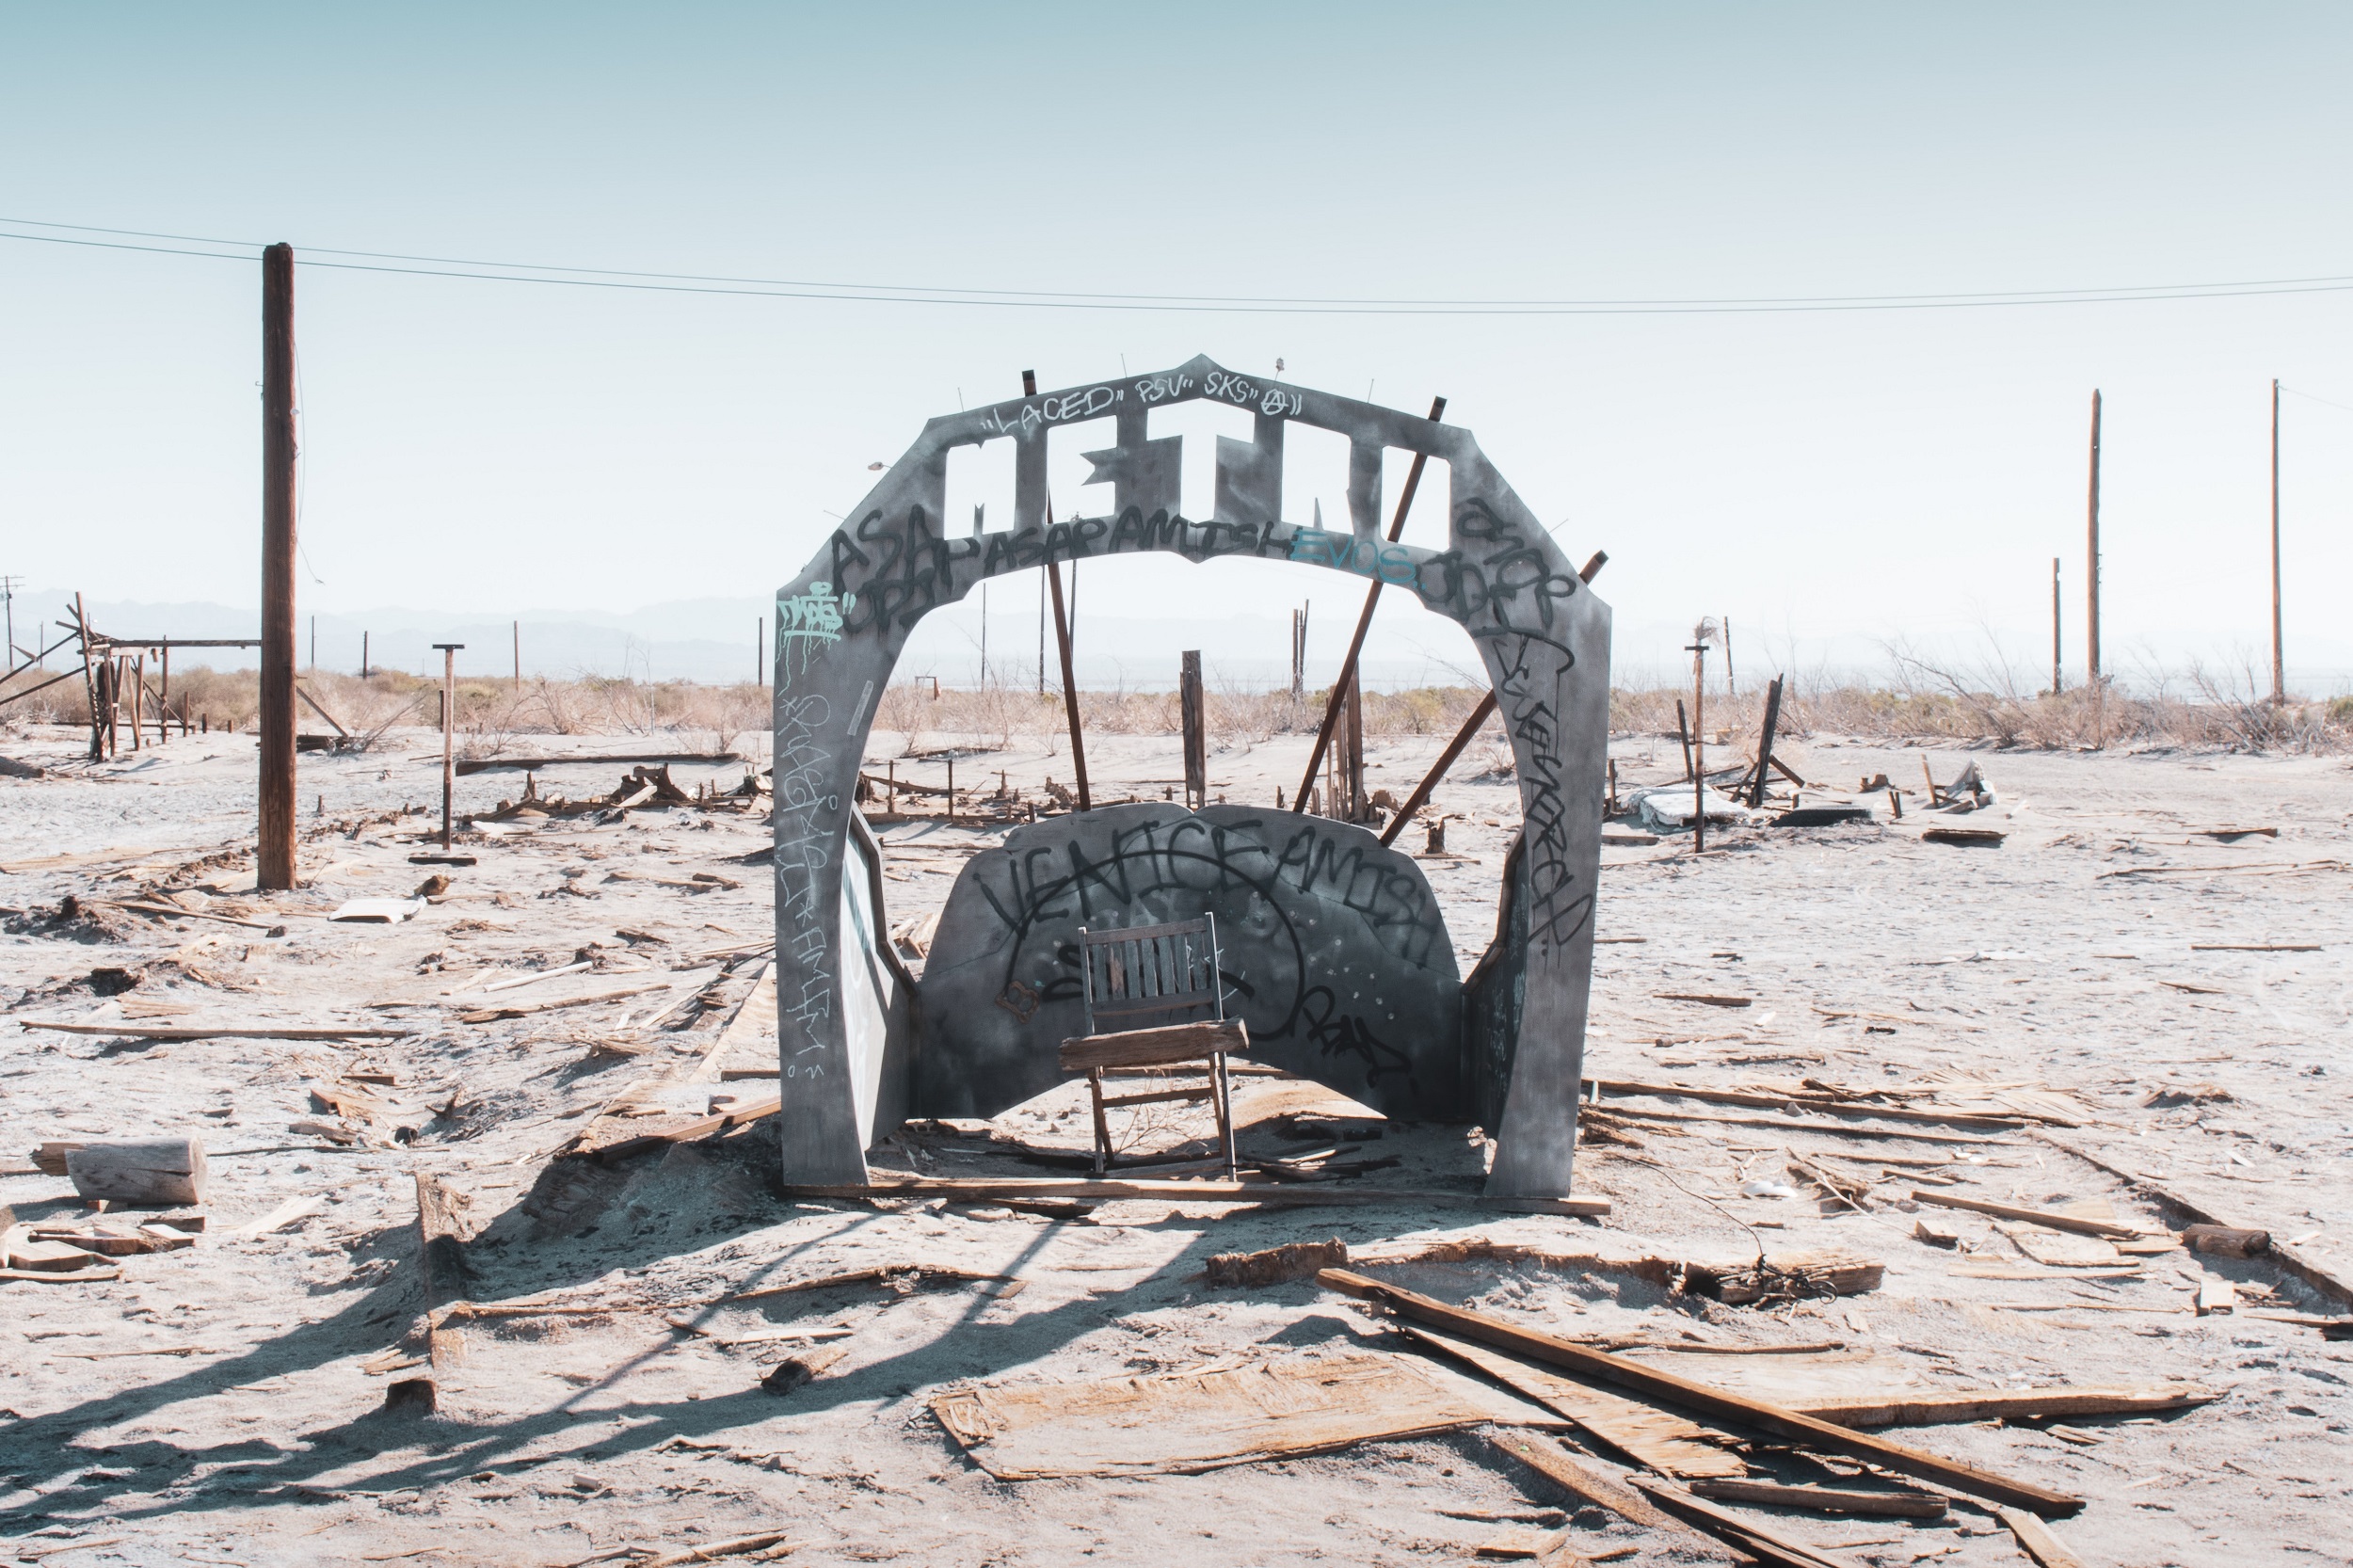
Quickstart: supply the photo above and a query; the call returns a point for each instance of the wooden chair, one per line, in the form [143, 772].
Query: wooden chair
[1155, 970]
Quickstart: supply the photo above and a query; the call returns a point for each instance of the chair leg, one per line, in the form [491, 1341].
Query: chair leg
[1102, 1123]
[1225, 1102]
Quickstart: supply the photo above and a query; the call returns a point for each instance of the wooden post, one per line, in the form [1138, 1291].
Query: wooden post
[2057, 681]
[1732, 683]
[1364, 622]
[2278, 643]
[1698, 741]
[1196, 732]
[951, 788]
[313, 661]
[449, 724]
[2091, 584]
[1765, 743]
[363, 655]
[275, 861]
[1683, 733]
[519, 655]
[90, 681]
[139, 701]
[1352, 750]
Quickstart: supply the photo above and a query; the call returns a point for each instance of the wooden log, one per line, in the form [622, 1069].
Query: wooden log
[220, 1032]
[161, 1172]
[1824, 1500]
[1276, 1265]
[1720, 1404]
[2107, 1229]
[2226, 1240]
[1152, 1048]
[442, 1269]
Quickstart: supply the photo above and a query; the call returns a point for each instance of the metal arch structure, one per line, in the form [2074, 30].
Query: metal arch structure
[843, 623]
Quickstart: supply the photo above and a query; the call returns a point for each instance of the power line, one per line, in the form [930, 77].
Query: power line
[549, 274]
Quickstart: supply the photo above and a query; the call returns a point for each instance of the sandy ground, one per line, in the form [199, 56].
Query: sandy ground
[217, 1403]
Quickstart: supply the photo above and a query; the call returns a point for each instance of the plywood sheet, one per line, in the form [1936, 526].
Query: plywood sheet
[1179, 1423]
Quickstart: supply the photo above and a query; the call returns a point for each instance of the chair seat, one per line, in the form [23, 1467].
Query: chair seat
[1166, 1045]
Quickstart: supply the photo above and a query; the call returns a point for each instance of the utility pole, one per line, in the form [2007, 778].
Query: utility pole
[449, 720]
[8, 597]
[363, 655]
[519, 655]
[2055, 683]
[275, 859]
[761, 675]
[2278, 645]
[314, 645]
[2091, 584]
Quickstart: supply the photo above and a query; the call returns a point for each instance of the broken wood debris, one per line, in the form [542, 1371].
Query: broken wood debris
[902, 1277]
[1276, 1265]
[1733, 1529]
[523, 1009]
[2049, 1219]
[1585, 1482]
[1215, 1415]
[1650, 1381]
[2035, 1538]
[1187, 1191]
[1666, 1442]
[221, 1031]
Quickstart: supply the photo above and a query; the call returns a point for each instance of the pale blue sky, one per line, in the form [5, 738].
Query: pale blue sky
[1835, 478]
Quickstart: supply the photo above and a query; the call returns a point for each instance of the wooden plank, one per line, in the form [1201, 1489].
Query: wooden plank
[2048, 1219]
[1791, 1124]
[1824, 1500]
[1585, 1482]
[1152, 1048]
[220, 1032]
[1733, 1529]
[1668, 1444]
[2035, 1540]
[1282, 1193]
[1969, 1404]
[1810, 1101]
[1198, 1092]
[1716, 1403]
[523, 1008]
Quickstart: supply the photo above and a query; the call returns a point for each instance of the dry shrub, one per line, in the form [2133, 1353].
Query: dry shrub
[1924, 699]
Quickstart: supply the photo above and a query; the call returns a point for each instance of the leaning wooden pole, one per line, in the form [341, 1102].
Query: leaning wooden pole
[1447, 759]
[1069, 679]
[1420, 797]
[275, 803]
[1347, 676]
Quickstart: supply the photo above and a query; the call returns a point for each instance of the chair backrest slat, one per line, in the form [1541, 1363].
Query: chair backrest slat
[1170, 968]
